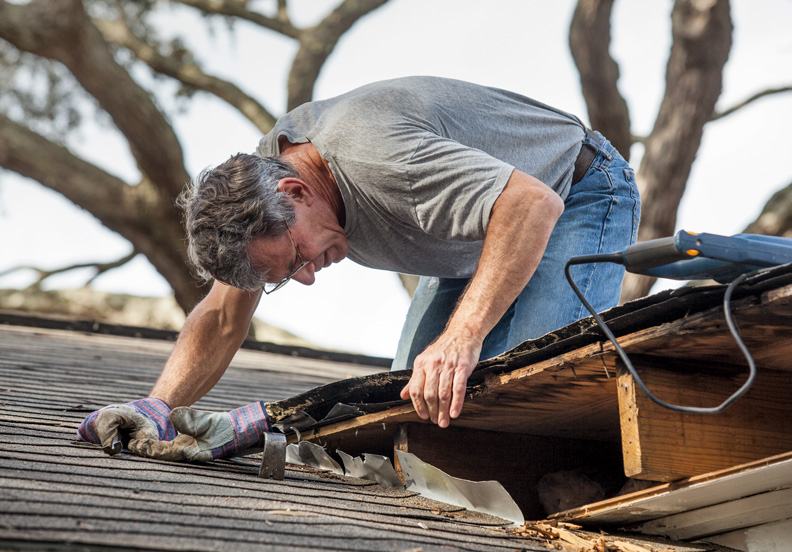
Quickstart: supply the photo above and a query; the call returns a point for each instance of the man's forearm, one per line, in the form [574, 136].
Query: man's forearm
[519, 229]
[212, 334]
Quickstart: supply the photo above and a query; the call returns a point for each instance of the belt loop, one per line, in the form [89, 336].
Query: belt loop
[591, 135]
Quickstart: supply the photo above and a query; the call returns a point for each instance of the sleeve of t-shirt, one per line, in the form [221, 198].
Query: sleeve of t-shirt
[453, 188]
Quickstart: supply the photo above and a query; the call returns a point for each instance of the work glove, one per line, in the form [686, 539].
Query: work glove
[141, 419]
[205, 436]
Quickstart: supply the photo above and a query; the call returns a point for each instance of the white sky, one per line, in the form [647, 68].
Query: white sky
[518, 45]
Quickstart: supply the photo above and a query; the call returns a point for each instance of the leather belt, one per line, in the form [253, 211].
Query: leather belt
[585, 158]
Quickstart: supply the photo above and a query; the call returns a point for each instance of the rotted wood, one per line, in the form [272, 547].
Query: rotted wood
[764, 322]
[571, 396]
[377, 389]
[574, 395]
[578, 356]
[400, 443]
[650, 314]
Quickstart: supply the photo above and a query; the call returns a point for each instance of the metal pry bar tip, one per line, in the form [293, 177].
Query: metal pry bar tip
[273, 461]
[115, 446]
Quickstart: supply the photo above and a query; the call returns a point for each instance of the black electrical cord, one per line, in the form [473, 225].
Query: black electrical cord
[618, 259]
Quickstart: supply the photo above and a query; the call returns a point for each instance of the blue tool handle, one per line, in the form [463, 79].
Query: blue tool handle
[748, 249]
[691, 256]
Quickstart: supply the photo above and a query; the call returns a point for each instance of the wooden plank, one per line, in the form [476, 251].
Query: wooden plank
[516, 461]
[770, 536]
[688, 494]
[722, 518]
[571, 396]
[400, 444]
[395, 415]
[659, 444]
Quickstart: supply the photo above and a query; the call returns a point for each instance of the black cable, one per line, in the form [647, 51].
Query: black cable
[617, 258]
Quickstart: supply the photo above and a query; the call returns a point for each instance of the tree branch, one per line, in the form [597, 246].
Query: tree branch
[23, 151]
[283, 12]
[60, 30]
[776, 216]
[318, 42]
[118, 32]
[757, 96]
[101, 268]
[589, 42]
[280, 24]
[138, 213]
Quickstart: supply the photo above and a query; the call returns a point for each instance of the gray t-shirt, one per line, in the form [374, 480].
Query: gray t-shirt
[420, 161]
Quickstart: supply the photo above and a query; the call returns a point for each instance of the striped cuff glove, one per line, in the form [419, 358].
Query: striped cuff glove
[141, 419]
[249, 423]
[205, 436]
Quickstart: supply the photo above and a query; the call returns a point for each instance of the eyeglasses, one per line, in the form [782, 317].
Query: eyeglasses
[271, 288]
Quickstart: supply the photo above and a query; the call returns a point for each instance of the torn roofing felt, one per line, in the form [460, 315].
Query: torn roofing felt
[380, 391]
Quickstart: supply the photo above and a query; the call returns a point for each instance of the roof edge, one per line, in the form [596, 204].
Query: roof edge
[53, 322]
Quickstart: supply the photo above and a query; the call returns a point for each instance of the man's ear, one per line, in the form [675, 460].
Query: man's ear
[297, 189]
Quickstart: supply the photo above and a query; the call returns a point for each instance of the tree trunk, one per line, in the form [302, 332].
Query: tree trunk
[702, 38]
[144, 214]
[589, 41]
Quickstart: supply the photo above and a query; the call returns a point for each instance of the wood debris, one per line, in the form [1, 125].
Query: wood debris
[564, 535]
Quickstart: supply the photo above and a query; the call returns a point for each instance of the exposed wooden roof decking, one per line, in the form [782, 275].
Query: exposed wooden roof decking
[565, 401]
[564, 384]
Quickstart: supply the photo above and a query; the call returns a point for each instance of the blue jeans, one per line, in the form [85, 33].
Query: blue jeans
[601, 215]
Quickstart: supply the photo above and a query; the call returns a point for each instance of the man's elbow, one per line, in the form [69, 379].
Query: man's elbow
[530, 195]
[546, 201]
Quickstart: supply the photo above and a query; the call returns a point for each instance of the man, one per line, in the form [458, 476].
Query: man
[482, 192]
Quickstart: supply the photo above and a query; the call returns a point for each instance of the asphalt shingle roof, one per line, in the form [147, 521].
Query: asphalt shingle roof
[57, 493]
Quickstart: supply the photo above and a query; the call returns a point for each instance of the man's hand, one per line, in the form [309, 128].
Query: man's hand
[205, 436]
[439, 379]
[142, 419]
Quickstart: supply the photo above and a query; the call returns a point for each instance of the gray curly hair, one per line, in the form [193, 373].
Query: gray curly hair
[229, 205]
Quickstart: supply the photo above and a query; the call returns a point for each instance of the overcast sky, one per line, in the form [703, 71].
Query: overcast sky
[517, 45]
